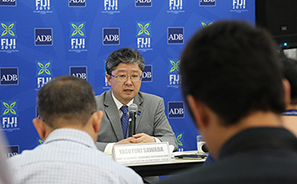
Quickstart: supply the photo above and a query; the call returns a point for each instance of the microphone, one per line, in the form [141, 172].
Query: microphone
[132, 109]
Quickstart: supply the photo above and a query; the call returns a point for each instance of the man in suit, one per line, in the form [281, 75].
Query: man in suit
[233, 85]
[68, 124]
[124, 73]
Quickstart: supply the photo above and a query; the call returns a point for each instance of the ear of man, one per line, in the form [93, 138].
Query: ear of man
[42, 129]
[287, 91]
[108, 79]
[96, 120]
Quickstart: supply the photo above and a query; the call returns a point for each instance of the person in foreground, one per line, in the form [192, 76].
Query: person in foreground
[68, 124]
[290, 115]
[233, 85]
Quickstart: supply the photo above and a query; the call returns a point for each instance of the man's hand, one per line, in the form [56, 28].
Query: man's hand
[125, 141]
[142, 138]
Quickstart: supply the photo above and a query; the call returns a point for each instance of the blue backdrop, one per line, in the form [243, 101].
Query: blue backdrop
[41, 39]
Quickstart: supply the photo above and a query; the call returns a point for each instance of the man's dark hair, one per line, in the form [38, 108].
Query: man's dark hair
[125, 55]
[234, 69]
[66, 97]
[290, 73]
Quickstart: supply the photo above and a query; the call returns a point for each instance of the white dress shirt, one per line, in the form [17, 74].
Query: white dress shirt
[69, 156]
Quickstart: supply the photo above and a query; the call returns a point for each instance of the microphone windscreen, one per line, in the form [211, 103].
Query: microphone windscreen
[133, 107]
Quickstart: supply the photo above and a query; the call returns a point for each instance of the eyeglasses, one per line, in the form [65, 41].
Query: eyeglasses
[124, 78]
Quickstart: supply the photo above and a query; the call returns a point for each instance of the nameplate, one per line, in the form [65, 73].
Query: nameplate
[141, 153]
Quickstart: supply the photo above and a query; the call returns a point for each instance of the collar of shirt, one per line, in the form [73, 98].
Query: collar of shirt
[118, 103]
[73, 135]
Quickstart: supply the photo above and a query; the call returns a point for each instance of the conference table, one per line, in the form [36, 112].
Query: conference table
[168, 167]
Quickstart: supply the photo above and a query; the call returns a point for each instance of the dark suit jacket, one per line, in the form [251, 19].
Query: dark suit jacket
[151, 119]
[255, 155]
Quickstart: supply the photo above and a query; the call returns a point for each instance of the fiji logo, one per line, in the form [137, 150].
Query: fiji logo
[77, 30]
[77, 35]
[175, 4]
[44, 72]
[110, 4]
[204, 24]
[174, 76]
[175, 35]
[143, 35]
[7, 2]
[174, 66]
[238, 4]
[8, 30]
[42, 4]
[143, 29]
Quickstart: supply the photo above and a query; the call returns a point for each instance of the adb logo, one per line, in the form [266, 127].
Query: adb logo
[9, 115]
[8, 37]
[79, 71]
[143, 3]
[207, 3]
[77, 3]
[147, 75]
[174, 76]
[44, 72]
[9, 76]
[175, 35]
[176, 110]
[42, 4]
[43, 36]
[12, 151]
[143, 34]
[111, 36]
[77, 36]
[7, 2]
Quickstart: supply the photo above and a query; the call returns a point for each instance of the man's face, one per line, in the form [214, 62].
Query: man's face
[125, 91]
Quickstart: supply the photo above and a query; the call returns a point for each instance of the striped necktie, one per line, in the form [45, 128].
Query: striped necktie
[125, 119]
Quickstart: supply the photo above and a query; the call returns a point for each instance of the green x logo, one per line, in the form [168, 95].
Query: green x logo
[77, 29]
[44, 68]
[143, 29]
[178, 139]
[205, 25]
[175, 66]
[7, 29]
[9, 108]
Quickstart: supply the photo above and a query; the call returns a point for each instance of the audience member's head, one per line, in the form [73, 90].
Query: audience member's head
[231, 70]
[67, 101]
[234, 70]
[290, 73]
